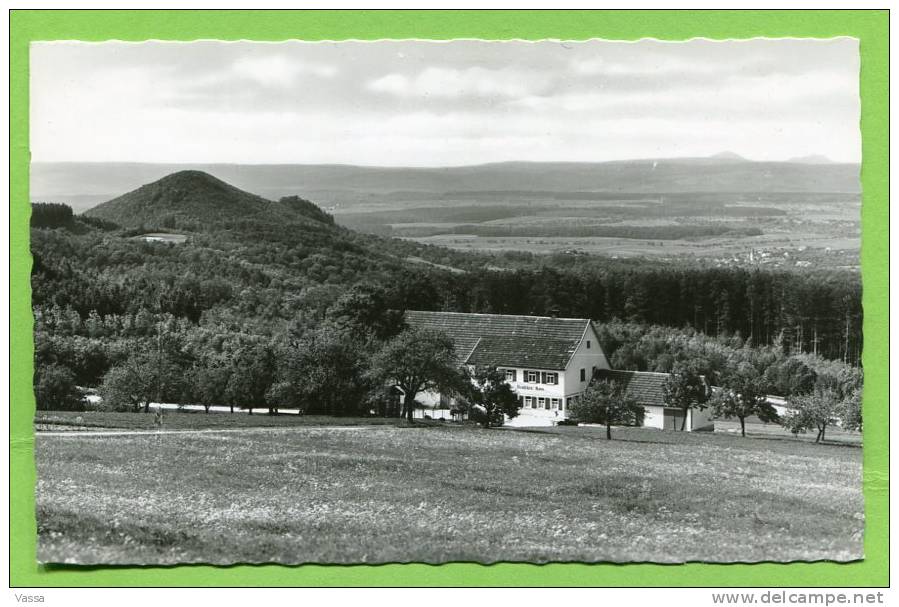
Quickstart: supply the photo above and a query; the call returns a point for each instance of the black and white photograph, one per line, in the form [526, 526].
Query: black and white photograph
[447, 301]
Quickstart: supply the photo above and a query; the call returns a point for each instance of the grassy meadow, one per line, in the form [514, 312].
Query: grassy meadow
[374, 493]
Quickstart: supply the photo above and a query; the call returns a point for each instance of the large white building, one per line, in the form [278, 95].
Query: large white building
[548, 361]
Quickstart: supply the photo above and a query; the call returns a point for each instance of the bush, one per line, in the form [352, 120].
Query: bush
[131, 385]
[478, 414]
[55, 390]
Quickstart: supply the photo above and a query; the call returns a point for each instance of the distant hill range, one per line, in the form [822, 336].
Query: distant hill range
[732, 156]
[812, 159]
[195, 199]
[83, 185]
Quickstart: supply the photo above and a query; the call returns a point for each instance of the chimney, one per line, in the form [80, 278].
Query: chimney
[554, 312]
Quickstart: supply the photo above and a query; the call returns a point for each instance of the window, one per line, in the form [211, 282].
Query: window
[552, 378]
[529, 401]
[532, 377]
[554, 404]
[588, 344]
[542, 404]
[511, 375]
[583, 375]
[561, 404]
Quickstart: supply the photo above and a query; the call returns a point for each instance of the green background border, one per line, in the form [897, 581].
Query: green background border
[872, 29]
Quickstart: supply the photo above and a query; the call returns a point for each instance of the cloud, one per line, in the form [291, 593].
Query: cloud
[654, 61]
[278, 70]
[462, 102]
[776, 97]
[455, 83]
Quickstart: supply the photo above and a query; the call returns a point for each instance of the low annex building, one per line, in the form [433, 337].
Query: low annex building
[648, 390]
[548, 361]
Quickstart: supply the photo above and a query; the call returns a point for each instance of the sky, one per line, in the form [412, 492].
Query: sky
[418, 103]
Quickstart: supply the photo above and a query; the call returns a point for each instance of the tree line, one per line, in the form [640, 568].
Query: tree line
[274, 273]
[348, 363]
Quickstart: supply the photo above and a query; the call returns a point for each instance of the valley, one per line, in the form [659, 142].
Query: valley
[713, 211]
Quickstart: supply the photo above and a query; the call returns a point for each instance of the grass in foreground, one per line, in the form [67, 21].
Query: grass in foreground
[191, 420]
[436, 494]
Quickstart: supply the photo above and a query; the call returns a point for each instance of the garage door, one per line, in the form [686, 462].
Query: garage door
[673, 419]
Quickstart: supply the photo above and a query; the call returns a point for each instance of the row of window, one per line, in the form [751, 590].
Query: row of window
[533, 377]
[539, 377]
[552, 404]
[539, 402]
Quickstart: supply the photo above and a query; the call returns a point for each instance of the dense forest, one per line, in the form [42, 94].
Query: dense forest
[269, 292]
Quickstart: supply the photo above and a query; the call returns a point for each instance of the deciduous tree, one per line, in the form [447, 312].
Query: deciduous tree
[686, 388]
[489, 391]
[132, 384]
[824, 406]
[208, 380]
[55, 390]
[790, 376]
[365, 310]
[324, 372]
[743, 393]
[417, 360]
[607, 402]
[252, 375]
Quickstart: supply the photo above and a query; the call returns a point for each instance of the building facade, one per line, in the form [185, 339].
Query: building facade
[548, 361]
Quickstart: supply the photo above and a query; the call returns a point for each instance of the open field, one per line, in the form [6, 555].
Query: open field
[781, 230]
[434, 494]
[725, 251]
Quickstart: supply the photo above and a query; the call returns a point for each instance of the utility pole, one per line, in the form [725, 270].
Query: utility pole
[846, 342]
[158, 363]
[815, 338]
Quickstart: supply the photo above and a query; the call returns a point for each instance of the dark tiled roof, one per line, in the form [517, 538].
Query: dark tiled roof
[534, 352]
[644, 387]
[542, 339]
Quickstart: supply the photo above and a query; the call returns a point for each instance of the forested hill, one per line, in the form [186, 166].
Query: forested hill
[194, 200]
[84, 184]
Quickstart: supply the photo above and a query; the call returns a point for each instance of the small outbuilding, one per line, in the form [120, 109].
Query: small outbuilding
[648, 390]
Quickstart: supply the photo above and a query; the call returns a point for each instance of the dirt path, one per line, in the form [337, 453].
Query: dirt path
[79, 433]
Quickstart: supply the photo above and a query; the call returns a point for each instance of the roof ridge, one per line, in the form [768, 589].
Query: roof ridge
[473, 348]
[505, 315]
[631, 371]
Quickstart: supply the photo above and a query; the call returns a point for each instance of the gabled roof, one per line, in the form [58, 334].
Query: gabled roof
[541, 342]
[643, 386]
[534, 352]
